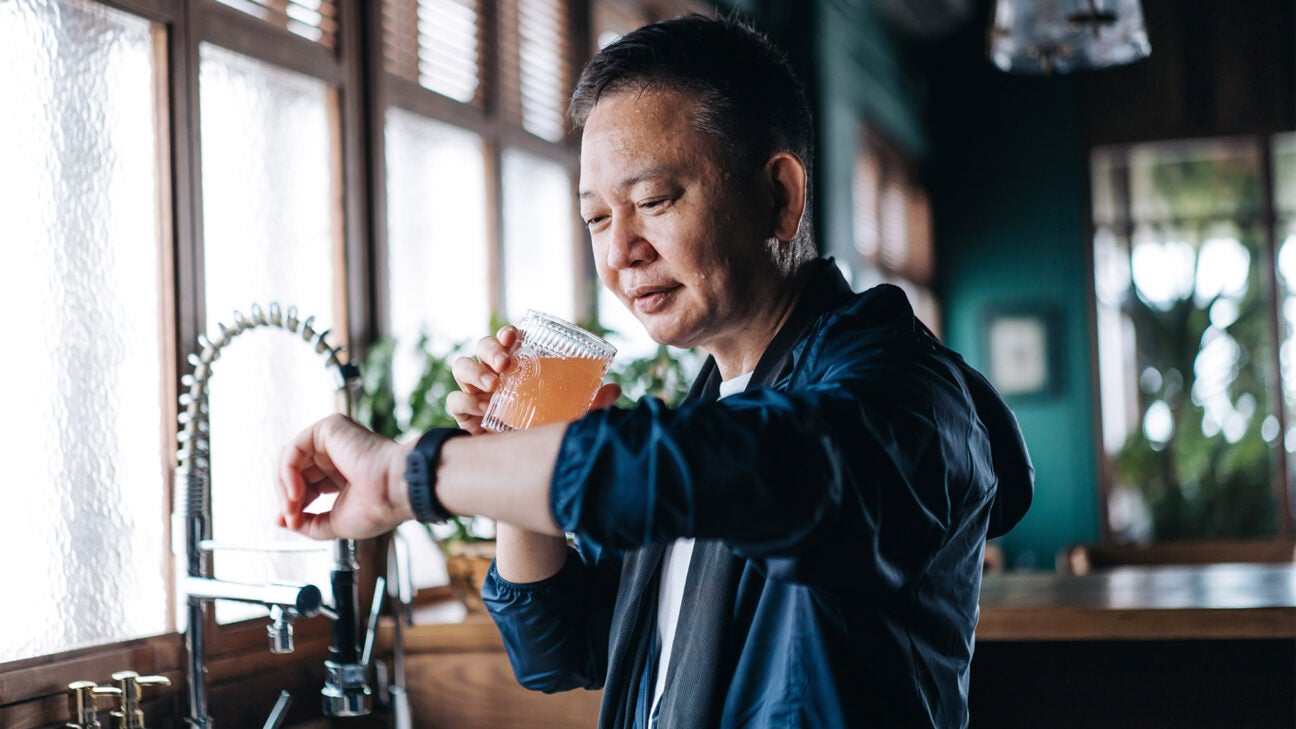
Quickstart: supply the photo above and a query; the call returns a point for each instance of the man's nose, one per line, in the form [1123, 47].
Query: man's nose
[627, 245]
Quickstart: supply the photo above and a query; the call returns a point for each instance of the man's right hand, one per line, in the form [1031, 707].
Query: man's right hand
[478, 378]
[521, 556]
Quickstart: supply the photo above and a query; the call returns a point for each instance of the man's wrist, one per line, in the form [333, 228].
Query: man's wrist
[421, 475]
[397, 489]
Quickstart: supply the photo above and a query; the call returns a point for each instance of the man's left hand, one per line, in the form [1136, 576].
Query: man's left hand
[365, 470]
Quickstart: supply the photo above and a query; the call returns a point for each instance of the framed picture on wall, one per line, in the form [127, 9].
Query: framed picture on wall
[1021, 345]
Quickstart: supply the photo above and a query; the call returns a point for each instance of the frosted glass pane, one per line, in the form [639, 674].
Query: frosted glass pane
[539, 257]
[437, 267]
[269, 228]
[83, 505]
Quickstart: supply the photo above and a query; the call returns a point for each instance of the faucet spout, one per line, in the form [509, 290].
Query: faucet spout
[306, 600]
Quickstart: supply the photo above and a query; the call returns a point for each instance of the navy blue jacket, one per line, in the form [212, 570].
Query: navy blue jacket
[846, 495]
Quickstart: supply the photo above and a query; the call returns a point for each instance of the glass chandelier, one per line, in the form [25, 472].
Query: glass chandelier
[1060, 36]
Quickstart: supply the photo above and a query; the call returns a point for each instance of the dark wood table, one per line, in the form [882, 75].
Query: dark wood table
[1210, 646]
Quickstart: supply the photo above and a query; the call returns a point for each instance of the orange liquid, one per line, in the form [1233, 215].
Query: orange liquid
[546, 390]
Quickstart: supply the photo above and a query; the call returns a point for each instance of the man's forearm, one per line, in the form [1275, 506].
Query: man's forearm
[503, 477]
[506, 478]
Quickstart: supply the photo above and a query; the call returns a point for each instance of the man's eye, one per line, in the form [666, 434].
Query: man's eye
[655, 203]
[594, 220]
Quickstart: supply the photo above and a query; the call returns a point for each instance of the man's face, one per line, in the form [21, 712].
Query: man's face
[676, 237]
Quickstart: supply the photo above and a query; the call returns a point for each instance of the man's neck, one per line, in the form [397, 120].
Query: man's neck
[739, 352]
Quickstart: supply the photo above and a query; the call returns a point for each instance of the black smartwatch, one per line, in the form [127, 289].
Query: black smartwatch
[420, 475]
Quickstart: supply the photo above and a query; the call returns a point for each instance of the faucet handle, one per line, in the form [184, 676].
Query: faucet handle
[129, 683]
[82, 711]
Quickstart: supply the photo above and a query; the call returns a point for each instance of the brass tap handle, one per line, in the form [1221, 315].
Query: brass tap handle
[82, 712]
[129, 683]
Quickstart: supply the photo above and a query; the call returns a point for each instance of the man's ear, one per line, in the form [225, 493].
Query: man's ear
[787, 178]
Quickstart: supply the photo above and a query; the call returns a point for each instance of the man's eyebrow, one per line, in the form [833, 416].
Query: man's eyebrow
[649, 175]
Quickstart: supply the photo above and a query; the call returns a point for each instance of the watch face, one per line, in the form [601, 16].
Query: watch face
[1018, 354]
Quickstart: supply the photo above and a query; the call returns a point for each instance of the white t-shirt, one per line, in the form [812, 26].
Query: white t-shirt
[675, 564]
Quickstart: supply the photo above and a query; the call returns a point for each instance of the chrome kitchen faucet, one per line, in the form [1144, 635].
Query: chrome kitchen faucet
[346, 692]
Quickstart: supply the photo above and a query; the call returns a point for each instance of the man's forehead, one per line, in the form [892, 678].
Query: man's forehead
[641, 136]
[630, 178]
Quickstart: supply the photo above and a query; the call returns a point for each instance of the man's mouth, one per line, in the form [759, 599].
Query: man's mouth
[651, 299]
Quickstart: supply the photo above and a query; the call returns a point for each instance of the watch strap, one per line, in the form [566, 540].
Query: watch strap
[420, 475]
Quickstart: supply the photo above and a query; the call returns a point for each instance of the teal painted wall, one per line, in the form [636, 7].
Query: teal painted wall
[1004, 159]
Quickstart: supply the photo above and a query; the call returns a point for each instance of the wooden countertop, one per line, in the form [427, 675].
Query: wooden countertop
[1223, 601]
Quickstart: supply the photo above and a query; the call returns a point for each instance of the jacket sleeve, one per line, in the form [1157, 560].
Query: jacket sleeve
[556, 631]
[855, 475]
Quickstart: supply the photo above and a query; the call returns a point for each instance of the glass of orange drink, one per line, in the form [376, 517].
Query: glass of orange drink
[554, 372]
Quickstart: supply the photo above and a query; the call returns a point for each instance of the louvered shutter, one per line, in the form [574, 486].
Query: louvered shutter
[315, 20]
[535, 66]
[438, 44]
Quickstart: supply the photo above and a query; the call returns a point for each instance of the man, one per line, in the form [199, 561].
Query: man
[805, 552]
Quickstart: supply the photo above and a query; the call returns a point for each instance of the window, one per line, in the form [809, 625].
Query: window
[103, 185]
[83, 509]
[479, 171]
[539, 237]
[168, 165]
[1189, 242]
[438, 263]
[269, 236]
[893, 229]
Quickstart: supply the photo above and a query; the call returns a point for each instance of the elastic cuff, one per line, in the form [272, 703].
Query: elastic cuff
[539, 586]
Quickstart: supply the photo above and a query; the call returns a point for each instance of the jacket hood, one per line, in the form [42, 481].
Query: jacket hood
[1011, 460]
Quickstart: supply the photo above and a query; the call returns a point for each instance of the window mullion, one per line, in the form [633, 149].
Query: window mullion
[360, 51]
[1274, 292]
[500, 56]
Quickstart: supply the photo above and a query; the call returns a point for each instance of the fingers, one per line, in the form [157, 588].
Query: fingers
[493, 351]
[316, 526]
[290, 485]
[473, 376]
[479, 377]
[482, 373]
[606, 396]
[508, 336]
[467, 410]
[335, 455]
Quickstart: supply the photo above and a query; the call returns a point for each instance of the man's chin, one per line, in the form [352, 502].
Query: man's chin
[668, 334]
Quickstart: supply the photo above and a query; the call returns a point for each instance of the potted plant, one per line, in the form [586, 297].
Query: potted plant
[468, 543]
